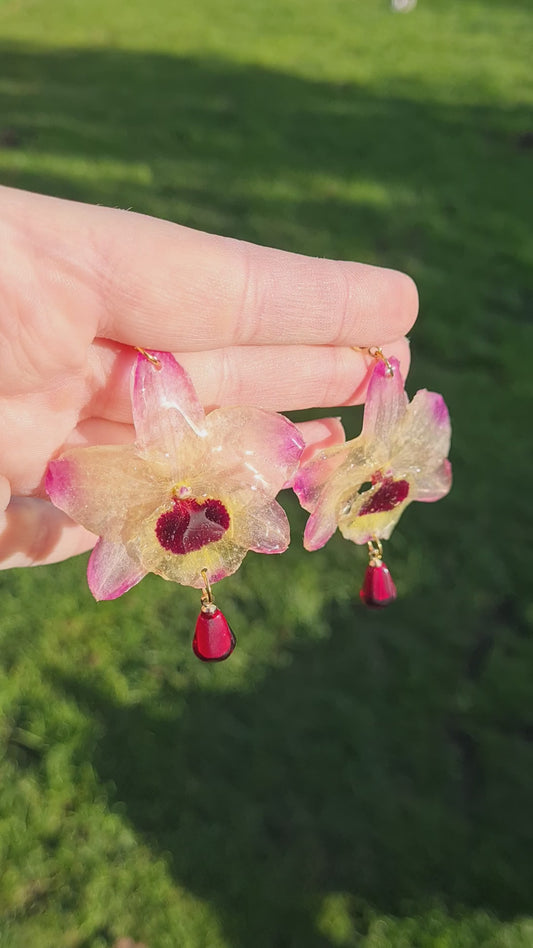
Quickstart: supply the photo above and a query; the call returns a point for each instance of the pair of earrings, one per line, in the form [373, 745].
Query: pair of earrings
[195, 492]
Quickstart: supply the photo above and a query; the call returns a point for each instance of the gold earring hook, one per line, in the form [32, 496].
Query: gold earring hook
[148, 355]
[206, 597]
[375, 552]
[376, 352]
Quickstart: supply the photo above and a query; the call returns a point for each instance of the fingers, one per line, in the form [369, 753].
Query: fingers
[5, 496]
[173, 288]
[100, 431]
[285, 378]
[279, 378]
[320, 434]
[148, 282]
[34, 533]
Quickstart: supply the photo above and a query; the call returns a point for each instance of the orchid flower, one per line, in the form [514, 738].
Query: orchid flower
[194, 492]
[364, 485]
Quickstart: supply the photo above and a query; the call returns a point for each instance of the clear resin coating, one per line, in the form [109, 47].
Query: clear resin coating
[193, 492]
[364, 485]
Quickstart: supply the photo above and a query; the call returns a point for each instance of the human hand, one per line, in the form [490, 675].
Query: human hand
[80, 285]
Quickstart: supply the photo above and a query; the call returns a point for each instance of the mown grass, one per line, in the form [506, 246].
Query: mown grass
[346, 779]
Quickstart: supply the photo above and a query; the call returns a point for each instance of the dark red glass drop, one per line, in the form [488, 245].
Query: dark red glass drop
[378, 588]
[213, 639]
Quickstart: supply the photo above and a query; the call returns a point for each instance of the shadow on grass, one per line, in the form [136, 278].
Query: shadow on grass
[351, 770]
[393, 762]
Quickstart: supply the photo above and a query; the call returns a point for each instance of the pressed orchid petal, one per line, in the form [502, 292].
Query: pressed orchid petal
[386, 402]
[192, 494]
[105, 486]
[373, 509]
[248, 526]
[422, 439]
[221, 558]
[339, 471]
[434, 484]
[166, 410]
[333, 484]
[372, 526]
[365, 486]
[321, 525]
[253, 449]
[111, 571]
[263, 529]
[310, 479]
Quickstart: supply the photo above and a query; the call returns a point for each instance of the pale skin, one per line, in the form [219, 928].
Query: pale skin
[81, 285]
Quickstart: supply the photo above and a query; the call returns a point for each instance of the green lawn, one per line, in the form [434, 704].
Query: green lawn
[346, 780]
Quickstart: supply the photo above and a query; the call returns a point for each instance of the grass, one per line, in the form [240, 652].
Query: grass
[347, 780]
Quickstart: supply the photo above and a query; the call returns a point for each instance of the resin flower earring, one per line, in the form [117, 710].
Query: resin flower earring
[187, 500]
[363, 486]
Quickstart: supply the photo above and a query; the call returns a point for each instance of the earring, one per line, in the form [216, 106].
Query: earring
[187, 500]
[363, 486]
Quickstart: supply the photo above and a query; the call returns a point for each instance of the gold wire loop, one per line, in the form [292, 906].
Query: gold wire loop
[375, 550]
[207, 593]
[376, 352]
[148, 355]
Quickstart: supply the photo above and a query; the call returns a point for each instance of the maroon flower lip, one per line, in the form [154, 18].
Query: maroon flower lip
[387, 497]
[191, 524]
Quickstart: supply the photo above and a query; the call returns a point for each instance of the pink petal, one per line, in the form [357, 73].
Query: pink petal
[101, 487]
[252, 449]
[61, 483]
[330, 482]
[321, 525]
[313, 476]
[111, 571]
[386, 402]
[165, 405]
[422, 440]
[320, 434]
[435, 484]
[263, 529]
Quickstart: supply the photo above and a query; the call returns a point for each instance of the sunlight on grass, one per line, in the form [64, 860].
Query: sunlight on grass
[77, 168]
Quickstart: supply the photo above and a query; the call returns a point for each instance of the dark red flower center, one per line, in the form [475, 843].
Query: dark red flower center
[389, 494]
[191, 524]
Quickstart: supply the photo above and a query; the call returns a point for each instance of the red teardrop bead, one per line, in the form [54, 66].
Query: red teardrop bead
[213, 639]
[378, 588]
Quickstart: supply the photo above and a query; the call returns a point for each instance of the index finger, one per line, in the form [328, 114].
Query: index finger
[160, 285]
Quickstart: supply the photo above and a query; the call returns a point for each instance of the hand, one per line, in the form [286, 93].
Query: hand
[80, 285]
